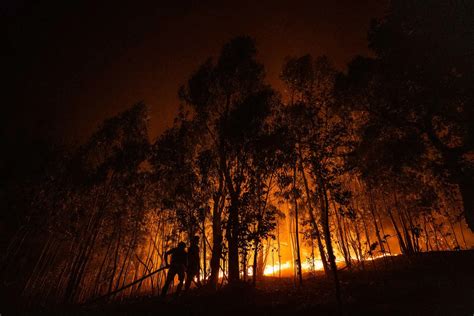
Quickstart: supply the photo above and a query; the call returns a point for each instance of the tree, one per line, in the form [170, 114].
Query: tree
[231, 103]
[416, 94]
[321, 141]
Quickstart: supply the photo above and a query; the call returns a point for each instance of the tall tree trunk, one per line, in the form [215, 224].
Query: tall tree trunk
[345, 250]
[359, 244]
[204, 248]
[408, 241]
[232, 232]
[297, 238]
[261, 260]
[81, 260]
[216, 241]
[232, 229]
[374, 219]
[327, 236]
[99, 273]
[401, 242]
[314, 224]
[244, 264]
[255, 262]
[279, 253]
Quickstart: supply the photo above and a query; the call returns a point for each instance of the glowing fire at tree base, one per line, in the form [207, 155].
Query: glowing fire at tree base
[286, 267]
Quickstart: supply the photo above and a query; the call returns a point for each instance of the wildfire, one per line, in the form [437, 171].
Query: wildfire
[273, 270]
[316, 265]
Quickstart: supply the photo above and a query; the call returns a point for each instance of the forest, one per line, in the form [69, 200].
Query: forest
[341, 173]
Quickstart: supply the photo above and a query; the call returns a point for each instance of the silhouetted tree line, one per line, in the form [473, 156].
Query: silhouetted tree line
[347, 156]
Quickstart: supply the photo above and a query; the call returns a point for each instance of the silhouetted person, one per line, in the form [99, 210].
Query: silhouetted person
[178, 266]
[193, 262]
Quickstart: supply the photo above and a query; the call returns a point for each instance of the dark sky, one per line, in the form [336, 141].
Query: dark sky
[74, 63]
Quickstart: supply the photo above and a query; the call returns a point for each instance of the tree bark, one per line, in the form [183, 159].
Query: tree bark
[327, 237]
[298, 255]
[314, 224]
[216, 240]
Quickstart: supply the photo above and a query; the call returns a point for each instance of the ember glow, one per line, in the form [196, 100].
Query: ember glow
[273, 270]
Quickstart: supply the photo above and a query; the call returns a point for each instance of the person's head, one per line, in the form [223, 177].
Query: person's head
[181, 245]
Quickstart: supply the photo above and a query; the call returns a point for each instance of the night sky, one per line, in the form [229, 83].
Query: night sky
[69, 66]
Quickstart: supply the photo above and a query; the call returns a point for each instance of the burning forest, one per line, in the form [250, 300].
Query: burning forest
[331, 189]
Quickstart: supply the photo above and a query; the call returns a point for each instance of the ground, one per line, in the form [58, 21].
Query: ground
[437, 283]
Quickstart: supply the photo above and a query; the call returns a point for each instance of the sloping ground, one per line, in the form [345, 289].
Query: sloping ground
[427, 284]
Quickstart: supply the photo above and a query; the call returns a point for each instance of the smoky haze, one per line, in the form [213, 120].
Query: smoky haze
[73, 65]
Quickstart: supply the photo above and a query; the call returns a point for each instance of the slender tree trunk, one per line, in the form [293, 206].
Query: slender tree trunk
[255, 260]
[427, 236]
[116, 260]
[216, 241]
[403, 248]
[453, 232]
[204, 248]
[82, 258]
[99, 273]
[384, 234]
[327, 236]
[232, 229]
[279, 249]
[435, 232]
[232, 232]
[314, 224]
[408, 241]
[345, 250]
[297, 238]
[244, 265]
[359, 244]
[374, 219]
[369, 243]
